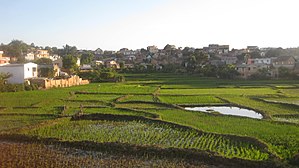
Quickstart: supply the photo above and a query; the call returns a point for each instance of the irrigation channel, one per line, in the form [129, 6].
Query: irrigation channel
[227, 110]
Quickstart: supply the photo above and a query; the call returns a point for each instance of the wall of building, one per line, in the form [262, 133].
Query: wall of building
[30, 70]
[50, 83]
[17, 72]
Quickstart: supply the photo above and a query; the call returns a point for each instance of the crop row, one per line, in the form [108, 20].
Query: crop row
[145, 133]
[190, 99]
[282, 139]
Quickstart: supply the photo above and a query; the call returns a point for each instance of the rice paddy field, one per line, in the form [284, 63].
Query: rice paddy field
[143, 123]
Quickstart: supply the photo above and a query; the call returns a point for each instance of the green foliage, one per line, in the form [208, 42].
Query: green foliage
[87, 58]
[238, 137]
[190, 99]
[70, 63]
[100, 75]
[44, 61]
[16, 48]
[147, 133]
[47, 72]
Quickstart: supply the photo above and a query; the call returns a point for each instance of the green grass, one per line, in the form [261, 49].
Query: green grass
[97, 97]
[8, 123]
[283, 139]
[219, 91]
[147, 133]
[119, 88]
[141, 106]
[267, 108]
[291, 92]
[115, 111]
[287, 100]
[190, 100]
[147, 98]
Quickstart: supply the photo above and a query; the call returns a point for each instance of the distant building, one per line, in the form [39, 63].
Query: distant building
[229, 60]
[217, 49]
[152, 49]
[284, 61]
[4, 60]
[29, 56]
[20, 72]
[99, 51]
[42, 54]
[252, 48]
[58, 62]
[267, 61]
[112, 64]
[246, 70]
[223, 49]
[85, 67]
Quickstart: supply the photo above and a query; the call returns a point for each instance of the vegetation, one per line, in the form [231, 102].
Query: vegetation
[142, 119]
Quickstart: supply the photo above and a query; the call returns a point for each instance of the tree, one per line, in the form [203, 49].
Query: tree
[274, 52]
[227, 72]
[261, 74]
[286, 73]
[16, 48]
[70, 63]
[46, 72]
[44, 61]
[87, 58]
[69, 50]
[4, 77]
[196, 61]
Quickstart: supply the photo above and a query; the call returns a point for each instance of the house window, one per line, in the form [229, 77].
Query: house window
[28, 69]
[34, 69]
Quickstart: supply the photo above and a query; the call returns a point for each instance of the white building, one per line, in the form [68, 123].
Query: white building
[267, 61]
[29, 56]
[20, 72]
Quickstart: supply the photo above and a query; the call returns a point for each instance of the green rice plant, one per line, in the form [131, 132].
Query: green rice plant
[282, 139]
[141, 105]
[9, 123]
[190, 99]
[291, 92]
[96, 97]
[267, 108]
[119, 88]
[146, 98]
[286, 100]
[138, 132]
[219, 91]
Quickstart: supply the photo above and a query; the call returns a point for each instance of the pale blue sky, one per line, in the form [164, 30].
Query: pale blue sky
[114, 24]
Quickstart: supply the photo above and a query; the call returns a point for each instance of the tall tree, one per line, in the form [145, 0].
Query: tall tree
[70, 63]
[16, 48]
[87, 58]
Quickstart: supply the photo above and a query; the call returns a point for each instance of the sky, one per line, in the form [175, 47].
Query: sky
[135, 24]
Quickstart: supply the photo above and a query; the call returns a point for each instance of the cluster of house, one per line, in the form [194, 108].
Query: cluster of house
[217, 54]
[28, 72]
[153, 56]
[271, 65]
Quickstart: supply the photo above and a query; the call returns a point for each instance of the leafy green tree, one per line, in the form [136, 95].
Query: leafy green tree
[227, 72]
[46, 72]
[286, 73]
[16, 48]
[44, 61]
[261, 74]
[274, 52]
[70, 64]
[87, 58]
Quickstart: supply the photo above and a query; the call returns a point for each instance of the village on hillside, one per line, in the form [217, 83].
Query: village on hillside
[52, 67]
